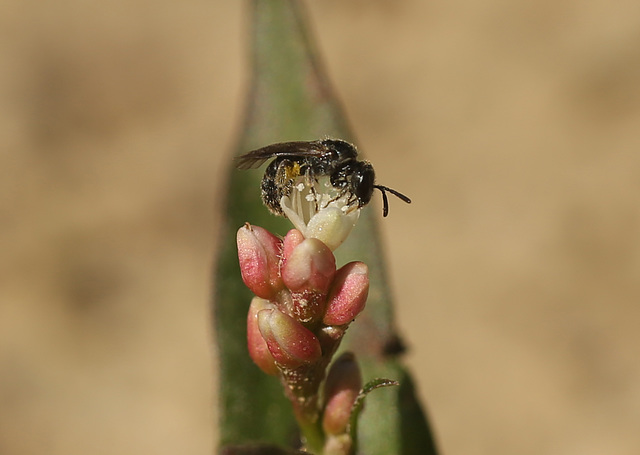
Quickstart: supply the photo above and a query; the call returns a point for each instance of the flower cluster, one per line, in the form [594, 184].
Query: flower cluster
[301, 310]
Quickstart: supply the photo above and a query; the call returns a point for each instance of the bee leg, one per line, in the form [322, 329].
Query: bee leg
[340, 194]
[352, 202]
[285, 175]
[270, 190]
[276, 183]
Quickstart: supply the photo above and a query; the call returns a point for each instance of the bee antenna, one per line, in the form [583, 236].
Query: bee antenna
[399, 195]
[385, 200]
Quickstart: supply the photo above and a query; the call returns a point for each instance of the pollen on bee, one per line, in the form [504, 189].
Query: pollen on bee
[293, 171]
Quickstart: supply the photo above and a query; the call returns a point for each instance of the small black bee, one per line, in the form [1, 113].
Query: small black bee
[331, 157]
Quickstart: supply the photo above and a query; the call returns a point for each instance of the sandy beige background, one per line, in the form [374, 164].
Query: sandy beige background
[514, 126]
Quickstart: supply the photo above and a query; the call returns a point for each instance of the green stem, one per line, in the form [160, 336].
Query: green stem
[305, 408]
[312, 436]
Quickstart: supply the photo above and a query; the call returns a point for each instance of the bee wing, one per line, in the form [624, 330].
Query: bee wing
[256, 158]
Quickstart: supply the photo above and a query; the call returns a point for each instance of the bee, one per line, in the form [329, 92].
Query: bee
[333, 158]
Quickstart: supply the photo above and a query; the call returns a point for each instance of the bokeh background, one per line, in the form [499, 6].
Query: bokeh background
[514, 126]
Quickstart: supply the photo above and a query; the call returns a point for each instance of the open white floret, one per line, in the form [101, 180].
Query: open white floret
[315, 209]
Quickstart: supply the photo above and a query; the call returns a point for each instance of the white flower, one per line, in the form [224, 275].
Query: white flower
[319, 211]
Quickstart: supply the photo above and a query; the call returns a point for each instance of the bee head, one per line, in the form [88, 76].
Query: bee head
[362, 182]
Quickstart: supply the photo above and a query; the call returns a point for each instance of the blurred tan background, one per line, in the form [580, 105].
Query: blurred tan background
[514, 126]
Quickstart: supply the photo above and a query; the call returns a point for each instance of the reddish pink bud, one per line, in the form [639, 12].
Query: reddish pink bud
[310, 266]
[293, 238]
[290, 343]
[258, 349]
[348, 294]
[341, 389]
[259, 255]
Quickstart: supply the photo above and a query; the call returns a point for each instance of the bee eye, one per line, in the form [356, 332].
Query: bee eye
[362, 185]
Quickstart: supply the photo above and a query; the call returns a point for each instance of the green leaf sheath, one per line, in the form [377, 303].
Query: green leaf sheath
[290, 99]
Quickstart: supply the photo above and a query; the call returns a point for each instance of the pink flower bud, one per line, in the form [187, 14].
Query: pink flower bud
[310, 266]
[290, 343]
[348, 294]
[259, 255]
[258, 349]
[293, 238]
[341, 389]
